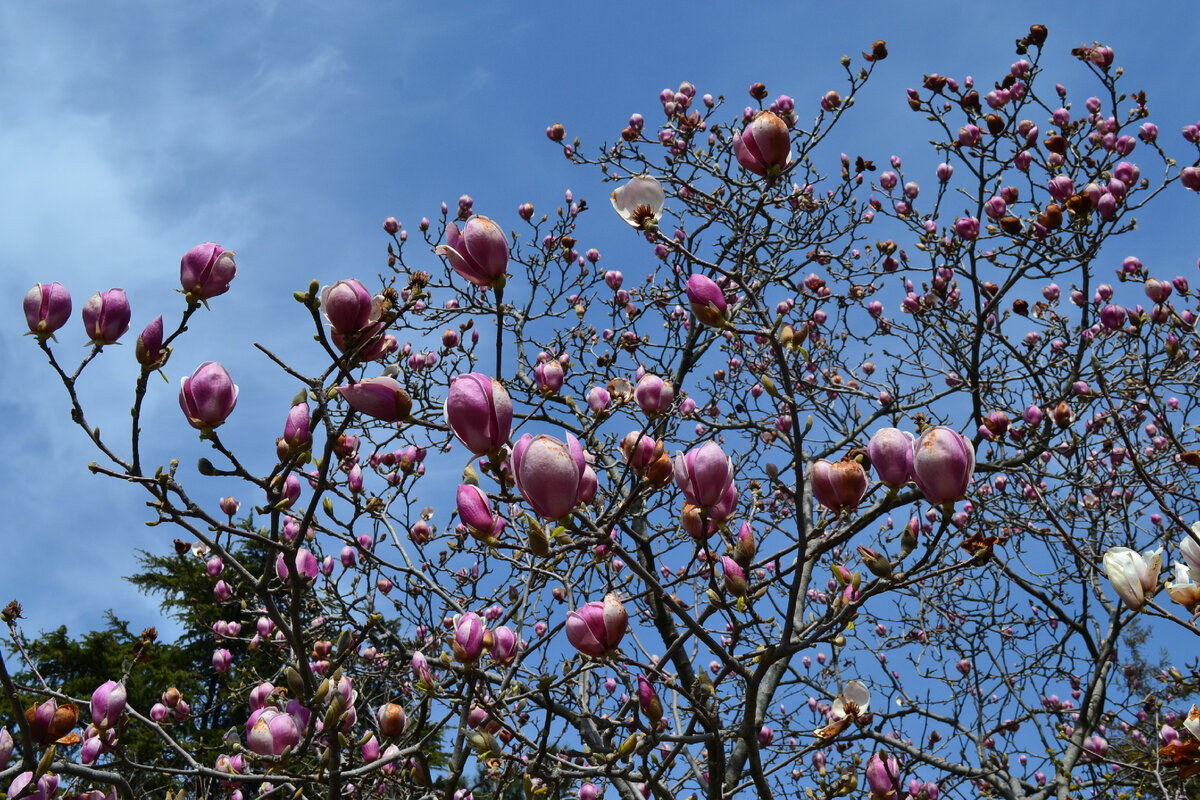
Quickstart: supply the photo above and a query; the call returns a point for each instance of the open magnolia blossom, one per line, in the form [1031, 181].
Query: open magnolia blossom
[852, 703]
[640, 201]
[1184, 590]
[1133, 575]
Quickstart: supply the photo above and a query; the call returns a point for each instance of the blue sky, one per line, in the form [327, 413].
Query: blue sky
[132, 131]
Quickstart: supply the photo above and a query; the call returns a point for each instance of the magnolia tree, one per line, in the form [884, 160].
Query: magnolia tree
[857, 483]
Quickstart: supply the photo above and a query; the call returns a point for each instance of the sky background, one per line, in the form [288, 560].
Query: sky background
[288, 132]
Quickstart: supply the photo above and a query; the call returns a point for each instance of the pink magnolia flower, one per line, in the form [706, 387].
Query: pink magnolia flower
[208, 397]
[475, 511]
[270, 731]
[883, 775]
[596, 629]
[549, 473]
[943, 462]
[349, 307]
[148, 349]
[891, 454]
[707, 300]
[479, 411]
[106, 316]
[469, 633]
[504, 645]
[764, 147]
[654, 395]
[47, 308]
[382, 398]
[206, 270]
[704, 474]
[840, 485]
[648, 701]
[478, 253]
[108, 703]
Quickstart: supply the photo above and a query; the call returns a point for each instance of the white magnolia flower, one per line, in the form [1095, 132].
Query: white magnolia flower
[640, 201]
[1192, 723]
[852, 703]
[1133, 575]
[1183, 589]
[1189, 548]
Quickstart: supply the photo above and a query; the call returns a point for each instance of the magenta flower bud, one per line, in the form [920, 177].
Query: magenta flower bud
[270, 731]
[944, 172]
[504, 645]
[596, 629]
[159, 712]
[6, 747]
[890, 451]
[108, 702]
[1158, 291]
[349, 307]
[479, 412]
[598, 399]
[475, 511]
[222, 592]
[391, 226]
[206, 270]
[882, 777]
[229, 505]
[260, 695]
[1112, 317]
[370, 750]
[148, 349]
[654, 395]
[549, 473]
[549, 376]
[648, 701]
[296, 428]
[47, 308]
[469, 631]
[840, 485]
[420, 669]
[106, 316]
[589, 791]
[1033, 415]
[392, 720]
[764, 147]
[221, 659]
[208, 397]
[1096, 747]
[382, 398]
[1061, 187]
[735, 577]
[707, 300]
[943, 462]
[704, 474]
[478, 253]
[20, 788]
[1190, 178]
[306, 566]
[967, 228]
